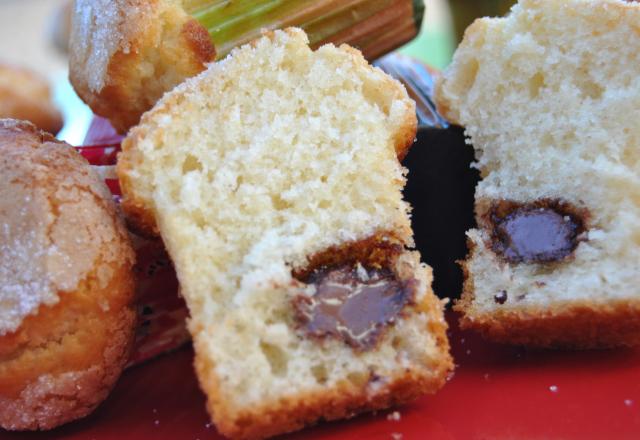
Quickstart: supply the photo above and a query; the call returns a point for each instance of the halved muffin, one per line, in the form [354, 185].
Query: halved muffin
[274, 181]
[549, 96]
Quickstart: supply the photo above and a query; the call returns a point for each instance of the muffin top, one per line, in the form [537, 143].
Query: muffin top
[56, 216]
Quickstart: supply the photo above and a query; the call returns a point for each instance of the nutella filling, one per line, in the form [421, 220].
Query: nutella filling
[353, 304]
[541, 232]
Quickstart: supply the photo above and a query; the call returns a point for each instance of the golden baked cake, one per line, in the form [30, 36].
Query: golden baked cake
[26, 95]
[549, 97]
[66, 283]
[274, 181]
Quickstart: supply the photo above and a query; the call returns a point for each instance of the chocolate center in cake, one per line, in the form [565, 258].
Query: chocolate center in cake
[352, 303]
[539, 232]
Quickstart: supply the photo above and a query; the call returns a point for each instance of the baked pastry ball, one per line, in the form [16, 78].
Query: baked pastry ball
[26, 95]
[66, 283]
[274, 181]
[549, 96]
[124, 54]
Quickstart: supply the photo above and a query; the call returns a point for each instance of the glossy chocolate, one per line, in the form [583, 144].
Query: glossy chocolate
[535, 234]
[500, 297]
[353, 304]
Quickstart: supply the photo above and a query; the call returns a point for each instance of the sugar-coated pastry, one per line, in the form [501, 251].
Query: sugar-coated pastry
[124, 54]
[25, 95]
[550, 97]
[274, 181]
[66, 283]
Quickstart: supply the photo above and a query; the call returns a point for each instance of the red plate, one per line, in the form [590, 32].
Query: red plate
[496, 392]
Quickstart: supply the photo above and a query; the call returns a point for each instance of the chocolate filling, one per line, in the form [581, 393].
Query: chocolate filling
[500, 297]
[540, 232]
[353, 304]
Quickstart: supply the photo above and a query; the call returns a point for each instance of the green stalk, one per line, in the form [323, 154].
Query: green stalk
[374, 26]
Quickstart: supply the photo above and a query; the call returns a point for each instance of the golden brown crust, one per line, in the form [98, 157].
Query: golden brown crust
[138, 211]
[25, 95]
[406, 136]
[50, 400]
[199, 40]
[64, 357]
[125, 54]
[343, 401]
[575, 324]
